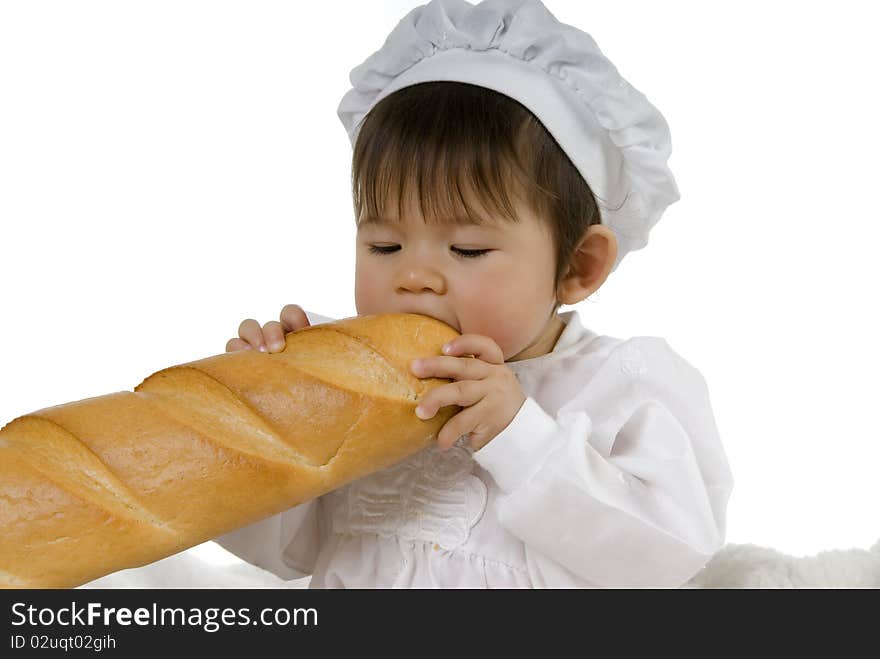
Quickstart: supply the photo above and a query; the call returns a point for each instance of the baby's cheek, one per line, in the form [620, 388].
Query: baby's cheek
[368, 294]
[512, 332]
[495, 313]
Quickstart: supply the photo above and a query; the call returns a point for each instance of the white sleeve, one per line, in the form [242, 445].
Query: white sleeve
[317, 319]
[627, 486]
[285, 544]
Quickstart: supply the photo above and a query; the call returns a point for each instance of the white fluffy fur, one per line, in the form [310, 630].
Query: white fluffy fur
[735, 566]
[749, 566]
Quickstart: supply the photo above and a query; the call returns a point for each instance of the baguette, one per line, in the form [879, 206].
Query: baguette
[203, 448]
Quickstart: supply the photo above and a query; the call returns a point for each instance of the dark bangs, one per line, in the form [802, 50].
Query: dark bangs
[442, 143]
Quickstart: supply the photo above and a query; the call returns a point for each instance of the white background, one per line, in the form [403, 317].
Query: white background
[168, 169]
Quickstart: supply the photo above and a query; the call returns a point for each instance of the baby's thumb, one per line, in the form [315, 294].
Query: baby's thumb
[293, 318]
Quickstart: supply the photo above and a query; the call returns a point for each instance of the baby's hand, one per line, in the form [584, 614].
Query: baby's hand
[488, 391]
[271, 337]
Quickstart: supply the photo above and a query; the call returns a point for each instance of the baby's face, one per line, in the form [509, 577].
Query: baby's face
[505, 292]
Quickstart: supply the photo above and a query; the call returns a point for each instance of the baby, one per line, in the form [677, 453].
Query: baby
[577, 460]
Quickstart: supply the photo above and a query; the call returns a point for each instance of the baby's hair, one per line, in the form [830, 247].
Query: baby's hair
[448, 138]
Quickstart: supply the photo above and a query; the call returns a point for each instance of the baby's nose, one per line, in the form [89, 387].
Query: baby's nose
[419, 279]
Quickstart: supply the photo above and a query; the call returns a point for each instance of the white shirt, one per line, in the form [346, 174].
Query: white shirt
[612, 474]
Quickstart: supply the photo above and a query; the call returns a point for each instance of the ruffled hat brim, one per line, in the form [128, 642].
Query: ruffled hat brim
[617, 140]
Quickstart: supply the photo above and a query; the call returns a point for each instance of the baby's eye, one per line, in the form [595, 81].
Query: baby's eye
[383, 249]
[463, 253]
[470, 253]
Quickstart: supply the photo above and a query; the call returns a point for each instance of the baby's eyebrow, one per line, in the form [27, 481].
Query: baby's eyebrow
[371, 220]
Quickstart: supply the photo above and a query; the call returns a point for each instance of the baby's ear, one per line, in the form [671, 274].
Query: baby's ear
[591, 263]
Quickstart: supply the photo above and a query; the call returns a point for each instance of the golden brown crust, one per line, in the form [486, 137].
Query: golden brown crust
[200, 449]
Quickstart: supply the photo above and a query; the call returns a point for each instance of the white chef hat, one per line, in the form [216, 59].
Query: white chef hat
[614, 136]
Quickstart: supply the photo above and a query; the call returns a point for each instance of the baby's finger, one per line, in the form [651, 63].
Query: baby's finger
[293, 318]
[250, 331]
[237, 344]
[481, 347]
[274, 336]
[466, 422]
[462, 394]
[453, 368]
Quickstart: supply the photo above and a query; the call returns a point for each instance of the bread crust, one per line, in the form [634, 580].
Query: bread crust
[202, 448]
